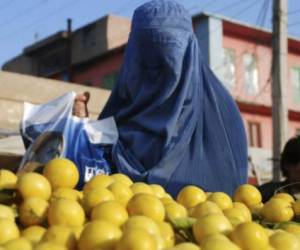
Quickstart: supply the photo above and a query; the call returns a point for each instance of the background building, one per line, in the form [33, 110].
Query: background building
[96, 54]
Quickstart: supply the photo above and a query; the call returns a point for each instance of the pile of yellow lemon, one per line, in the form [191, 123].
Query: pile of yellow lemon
[113, 213]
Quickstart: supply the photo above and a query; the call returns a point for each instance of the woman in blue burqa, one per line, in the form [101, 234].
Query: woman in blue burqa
[177, 124]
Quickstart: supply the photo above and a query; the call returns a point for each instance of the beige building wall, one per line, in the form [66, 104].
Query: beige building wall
[15, 89]
[99, 37]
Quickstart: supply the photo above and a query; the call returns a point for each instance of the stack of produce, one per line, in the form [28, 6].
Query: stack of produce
[44, 211]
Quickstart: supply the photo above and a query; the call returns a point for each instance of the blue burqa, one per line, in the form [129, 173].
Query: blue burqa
[177, 124]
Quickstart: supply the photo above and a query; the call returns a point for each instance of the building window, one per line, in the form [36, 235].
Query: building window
[295, 75]
[254, 134]
[251, 74]
[228, 69]
[109, 81]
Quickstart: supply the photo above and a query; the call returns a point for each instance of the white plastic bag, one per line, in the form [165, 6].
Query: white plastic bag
[87, 143]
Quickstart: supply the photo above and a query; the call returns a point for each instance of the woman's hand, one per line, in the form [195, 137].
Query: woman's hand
[80, 105]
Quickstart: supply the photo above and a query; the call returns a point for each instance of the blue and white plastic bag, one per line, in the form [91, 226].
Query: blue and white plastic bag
[84, 141]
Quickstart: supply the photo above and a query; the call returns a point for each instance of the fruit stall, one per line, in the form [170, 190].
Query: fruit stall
[44, 210]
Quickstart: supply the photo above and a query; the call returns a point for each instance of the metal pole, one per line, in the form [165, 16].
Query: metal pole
[279, 83]
[69, 50]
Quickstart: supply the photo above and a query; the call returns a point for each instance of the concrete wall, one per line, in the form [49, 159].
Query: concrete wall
[95, 39]
[89, 41]
[96, 72]
[118, 29]
[15, 89]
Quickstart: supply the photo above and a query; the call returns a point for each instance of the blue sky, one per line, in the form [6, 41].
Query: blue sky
[22, 22]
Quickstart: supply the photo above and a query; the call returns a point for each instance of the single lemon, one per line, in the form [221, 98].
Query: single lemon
[147, 205]
[61, 173]
[250, 236]
[234, 215]
[141, 222]
[244, 209]
[284, 241]
[6, 212]
[167, 232]
[141, 188]
[284, 196]
[95, 197]
[175, 210]
[122, 178]
[190, 196]
[65, 212]
[210, 224]
[137, 239]
[111, 211]
[101, 180]
[34, 185]
[277, 210]
[8, 231]
[99, 234]
[205, 208]
[121, 192]
[223, 200]
[247, 194]
[8, 179]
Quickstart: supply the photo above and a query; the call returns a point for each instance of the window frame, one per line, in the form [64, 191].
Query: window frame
[295, 89]
[245, 84]
[224, 80]
[251, 140]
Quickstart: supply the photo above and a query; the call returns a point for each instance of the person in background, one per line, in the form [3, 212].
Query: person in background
[177, 123]
[290, 167]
